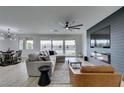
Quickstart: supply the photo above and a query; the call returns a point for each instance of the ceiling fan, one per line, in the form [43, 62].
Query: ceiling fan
[69, 25]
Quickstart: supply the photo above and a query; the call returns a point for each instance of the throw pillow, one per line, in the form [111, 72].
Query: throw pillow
[33, 57]
[45, 53]
[41, 53]
[46, 58]
[51, 52]
[40, 58]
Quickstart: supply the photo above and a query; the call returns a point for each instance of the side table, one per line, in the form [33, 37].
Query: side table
[44, 78]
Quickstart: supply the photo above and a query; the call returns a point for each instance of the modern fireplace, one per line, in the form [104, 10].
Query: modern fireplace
[103, 57]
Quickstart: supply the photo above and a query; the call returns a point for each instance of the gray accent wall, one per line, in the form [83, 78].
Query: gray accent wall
[116, 22]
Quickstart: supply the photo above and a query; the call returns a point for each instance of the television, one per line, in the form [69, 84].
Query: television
[100, 38]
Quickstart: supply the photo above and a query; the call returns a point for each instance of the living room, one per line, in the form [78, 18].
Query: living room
[54, 46]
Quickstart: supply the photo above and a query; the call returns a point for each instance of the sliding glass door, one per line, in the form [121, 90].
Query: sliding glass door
[70, 47]
[58, 46]
[67, 47]
[45, 45]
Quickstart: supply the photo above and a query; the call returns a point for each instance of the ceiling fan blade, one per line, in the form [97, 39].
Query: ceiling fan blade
[76, 26]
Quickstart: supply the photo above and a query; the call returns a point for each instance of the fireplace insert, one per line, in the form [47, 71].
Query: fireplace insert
[104, 57]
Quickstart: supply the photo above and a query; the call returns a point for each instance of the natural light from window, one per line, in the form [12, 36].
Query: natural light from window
[58, 46]
[45, 45]
[29, 44]
[70, 47]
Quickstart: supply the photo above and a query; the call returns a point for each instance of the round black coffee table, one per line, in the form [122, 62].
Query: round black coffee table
[44, 78]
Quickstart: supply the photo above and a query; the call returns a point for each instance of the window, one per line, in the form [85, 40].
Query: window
[58, 46]
[70, 47]
[92, 43]
[29, 44]
[102, 43]
[45, 45]
[67, 47]
[21, 44]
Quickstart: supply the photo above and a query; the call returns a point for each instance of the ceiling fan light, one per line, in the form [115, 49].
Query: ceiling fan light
[67, 28]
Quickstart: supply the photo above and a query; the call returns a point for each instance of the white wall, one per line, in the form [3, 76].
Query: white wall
[84, 40]
[5, 44]
[13, 44]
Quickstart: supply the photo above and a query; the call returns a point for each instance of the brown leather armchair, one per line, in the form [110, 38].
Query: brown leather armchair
[87, 79]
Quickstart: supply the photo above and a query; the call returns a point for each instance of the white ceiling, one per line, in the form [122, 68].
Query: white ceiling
[44, 19]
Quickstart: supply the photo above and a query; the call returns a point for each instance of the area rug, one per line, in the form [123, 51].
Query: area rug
[60, 76]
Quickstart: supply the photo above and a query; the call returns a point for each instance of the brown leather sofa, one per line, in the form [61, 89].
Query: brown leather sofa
[94, 77]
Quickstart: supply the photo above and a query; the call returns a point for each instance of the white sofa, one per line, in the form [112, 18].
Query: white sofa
[32, 67]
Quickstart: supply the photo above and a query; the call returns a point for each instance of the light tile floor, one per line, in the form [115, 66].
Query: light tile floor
[16, 76]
